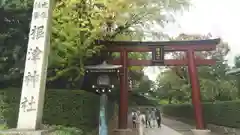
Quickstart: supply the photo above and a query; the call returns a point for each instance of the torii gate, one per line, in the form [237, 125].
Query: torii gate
[158, 49]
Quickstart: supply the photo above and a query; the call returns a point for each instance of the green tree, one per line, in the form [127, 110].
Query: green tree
[144, 85]
[237, 62]
[237, 77]
[15, 19]
[172, 87]
[77, 24]
[214, 83]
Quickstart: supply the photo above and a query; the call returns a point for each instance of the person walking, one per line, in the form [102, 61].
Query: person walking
[153, 117]
[148, 118]
[158, 117]
[142, 120]
[134, 119]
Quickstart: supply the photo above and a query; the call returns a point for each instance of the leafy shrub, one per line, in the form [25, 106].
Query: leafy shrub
[62, 107]
[61, 130]
[219, 113]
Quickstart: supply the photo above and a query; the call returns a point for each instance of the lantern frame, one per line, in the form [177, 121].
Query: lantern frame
[103, 76]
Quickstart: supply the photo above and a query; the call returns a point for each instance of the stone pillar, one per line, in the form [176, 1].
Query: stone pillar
[34, 79]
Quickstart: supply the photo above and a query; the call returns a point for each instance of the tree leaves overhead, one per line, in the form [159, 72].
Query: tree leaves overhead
[78, 23]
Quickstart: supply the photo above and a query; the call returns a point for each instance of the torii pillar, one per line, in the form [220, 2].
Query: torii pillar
[123, 107]
[123, 101]
[196, 95]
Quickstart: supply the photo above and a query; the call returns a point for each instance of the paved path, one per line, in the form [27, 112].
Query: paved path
[183, 128]
[164, 130]
[180, 127]
[161, 131]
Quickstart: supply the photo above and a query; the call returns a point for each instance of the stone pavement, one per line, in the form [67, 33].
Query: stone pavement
[179, 126]
[169, 127]
[182, 128]
[164, 130]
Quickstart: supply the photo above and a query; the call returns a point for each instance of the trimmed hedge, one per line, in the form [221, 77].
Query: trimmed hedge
[219, 113]
[62, 107]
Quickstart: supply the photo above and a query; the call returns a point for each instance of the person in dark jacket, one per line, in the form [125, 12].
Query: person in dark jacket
[158, 117]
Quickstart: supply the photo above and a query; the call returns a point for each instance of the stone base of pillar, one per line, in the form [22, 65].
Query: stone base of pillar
[200, 131]
[122, 132]
[25, 132]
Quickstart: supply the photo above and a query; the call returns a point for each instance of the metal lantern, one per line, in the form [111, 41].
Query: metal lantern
[103, 76]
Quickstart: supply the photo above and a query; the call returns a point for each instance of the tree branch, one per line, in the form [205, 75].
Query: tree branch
[127, 25]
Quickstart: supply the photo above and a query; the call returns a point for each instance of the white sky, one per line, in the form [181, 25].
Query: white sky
[221, 18]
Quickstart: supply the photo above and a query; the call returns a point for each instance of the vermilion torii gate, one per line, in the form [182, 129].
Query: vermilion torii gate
[158, 50]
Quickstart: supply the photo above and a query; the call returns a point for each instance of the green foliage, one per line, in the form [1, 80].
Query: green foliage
[62, 107]
[237, 77]
[171, 87]
[163, 102]
[73, 37]
[77, 24]
[3, 126]
[219, 113]
[139, 100]
[61, 130]
[237, 62]
[15, 19]
[174, 83]
[143, 85]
